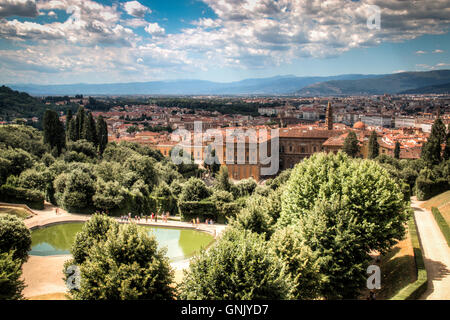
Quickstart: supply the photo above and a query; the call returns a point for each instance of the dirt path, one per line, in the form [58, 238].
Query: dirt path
[436, 254]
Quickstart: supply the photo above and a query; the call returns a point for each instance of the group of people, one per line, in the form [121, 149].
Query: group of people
[137, 218]
[197, 221]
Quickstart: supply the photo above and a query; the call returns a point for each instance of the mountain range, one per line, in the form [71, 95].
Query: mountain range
[341, 85]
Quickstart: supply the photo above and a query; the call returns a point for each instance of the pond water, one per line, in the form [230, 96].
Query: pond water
[58, 239]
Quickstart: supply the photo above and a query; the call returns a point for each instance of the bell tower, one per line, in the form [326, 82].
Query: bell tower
[329, 117]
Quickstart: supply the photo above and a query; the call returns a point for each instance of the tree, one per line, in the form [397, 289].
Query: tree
[336, 240]
[54, 132]
[254, 218]
[14, 236]
[89, 129]
[446, 154]
[102, 134]
[69, 117]
[237, 267]
[363, 188]
[11, 285]
[212, 162]
[194, 190]
[222, 179]
[432, 150]
[72, 132]
[374, 147]
[351, 146]
[79, 123]
[127, 265]
[397, 150]
[302, 266]
[93, 231]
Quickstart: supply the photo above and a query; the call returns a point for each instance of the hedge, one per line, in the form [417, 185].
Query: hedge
[416, 289]
[199, 209]
[32, 198]
[443, 225]
[426, 189]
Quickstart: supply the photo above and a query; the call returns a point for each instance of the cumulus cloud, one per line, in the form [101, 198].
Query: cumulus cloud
[154, 29]
[22, 8]
[136, 9]
[244, 33]
[438, 51]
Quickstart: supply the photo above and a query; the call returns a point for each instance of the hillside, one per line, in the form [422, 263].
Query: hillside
[15, 104]
[438, 89]
[280, 85]
[390, 84]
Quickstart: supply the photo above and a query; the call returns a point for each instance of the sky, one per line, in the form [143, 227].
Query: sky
[104, 41]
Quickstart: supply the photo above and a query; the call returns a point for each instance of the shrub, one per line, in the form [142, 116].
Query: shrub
[194, 190]
[245, 187]
[127, 265]
[14, 236]
[11, 285]
[33, 198]
[237, 267]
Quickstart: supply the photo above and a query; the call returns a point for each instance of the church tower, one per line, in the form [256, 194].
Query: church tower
[329, 117]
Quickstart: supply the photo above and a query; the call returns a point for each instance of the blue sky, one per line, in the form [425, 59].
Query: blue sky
[73, 41]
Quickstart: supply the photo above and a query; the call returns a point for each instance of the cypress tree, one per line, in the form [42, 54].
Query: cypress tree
[54, 132]
[374, 146]
[446, 155]
[69, 117]
[72, 130]
[81, 115]
[89, 128]
[102, 134]
[432, 150]
[351, 146]
[397, 150]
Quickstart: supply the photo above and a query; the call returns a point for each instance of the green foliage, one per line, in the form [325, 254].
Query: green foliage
[280, 180]
[431, 182]
[245, 187]
[17, 160]
[374, 146]
[108, 195]
[95, 230]
[11, 285]
[222, 179]
[194, 190]
[14, 236]
[126, 265]
[54, 132]
[362, 187]
[303, 268]
[74, 190]
[432, 150]
[199, 209]
[351, 146]
[22, 137]
[237, 267]
[33, 198]
[443, 225]
[83, 146]
[102, 134]
[253, 218]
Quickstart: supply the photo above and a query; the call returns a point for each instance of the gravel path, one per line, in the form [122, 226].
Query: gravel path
[436, 254]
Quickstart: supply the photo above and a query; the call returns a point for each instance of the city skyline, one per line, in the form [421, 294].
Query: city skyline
[73, 41]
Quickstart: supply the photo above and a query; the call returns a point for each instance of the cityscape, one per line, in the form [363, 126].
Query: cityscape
[200, 151]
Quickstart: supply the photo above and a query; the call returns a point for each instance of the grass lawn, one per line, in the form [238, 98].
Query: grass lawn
[442, 202]
[397, 270]
[19, 212]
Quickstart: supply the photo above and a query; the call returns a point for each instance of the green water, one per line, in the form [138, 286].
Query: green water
[58, 239]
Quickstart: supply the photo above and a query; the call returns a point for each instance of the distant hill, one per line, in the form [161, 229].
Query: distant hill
[281, 85]
[15, 104]
[438, 89]
[390, 84]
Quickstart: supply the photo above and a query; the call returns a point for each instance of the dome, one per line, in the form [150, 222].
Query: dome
[359, 125]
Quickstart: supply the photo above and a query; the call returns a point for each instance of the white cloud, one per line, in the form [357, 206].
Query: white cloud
[421, 52]
[154, 29]
[438, 51]
[136, 9]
